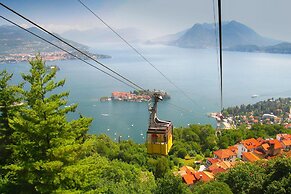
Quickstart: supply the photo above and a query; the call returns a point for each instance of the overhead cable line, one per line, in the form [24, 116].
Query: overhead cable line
[216, 43]
[220, 54]
[88, 56]
[67, 52]
[139, 53]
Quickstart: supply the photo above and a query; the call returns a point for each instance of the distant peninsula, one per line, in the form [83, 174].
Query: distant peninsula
[16, 45]
[281, 48]
[235, 36]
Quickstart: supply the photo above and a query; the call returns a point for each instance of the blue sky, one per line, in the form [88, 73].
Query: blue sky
[155, 17]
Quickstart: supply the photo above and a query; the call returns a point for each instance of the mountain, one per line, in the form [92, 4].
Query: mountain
[100, 35]
[234, 33]
[14, 40]
[168, 38]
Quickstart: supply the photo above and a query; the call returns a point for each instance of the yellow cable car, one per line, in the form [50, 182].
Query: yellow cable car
[159, 134]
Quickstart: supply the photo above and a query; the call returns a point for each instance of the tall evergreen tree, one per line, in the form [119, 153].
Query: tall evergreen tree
[9, 104]
[45, 141]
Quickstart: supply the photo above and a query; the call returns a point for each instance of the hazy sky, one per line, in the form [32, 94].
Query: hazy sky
[269, 18]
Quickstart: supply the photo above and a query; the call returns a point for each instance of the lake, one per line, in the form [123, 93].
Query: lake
[194, 71]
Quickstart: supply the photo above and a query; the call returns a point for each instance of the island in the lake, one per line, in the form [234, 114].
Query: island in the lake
[135, 96]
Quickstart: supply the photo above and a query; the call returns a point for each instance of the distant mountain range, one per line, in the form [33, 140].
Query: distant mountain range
[14, 40]
[235, 35]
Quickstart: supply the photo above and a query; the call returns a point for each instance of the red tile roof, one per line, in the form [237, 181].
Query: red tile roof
[265, 146]
[251, 143]
[277, 144]
[225, 153]
[249, 156]
[204, 176]
[189, 179]
[213, 160]
[233, 148]
[187, 169]
[218, 170]
[286, 142]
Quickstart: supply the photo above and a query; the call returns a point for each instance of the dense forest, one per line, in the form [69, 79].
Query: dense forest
[41, 151]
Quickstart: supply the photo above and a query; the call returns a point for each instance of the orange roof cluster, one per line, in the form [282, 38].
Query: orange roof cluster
[221, 166]
[190, 176]
[249, 156]
[251, 143]
[225, 153]
[128, 95]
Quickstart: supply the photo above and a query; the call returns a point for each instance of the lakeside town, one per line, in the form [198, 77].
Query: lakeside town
[271, 111]
[48, 56]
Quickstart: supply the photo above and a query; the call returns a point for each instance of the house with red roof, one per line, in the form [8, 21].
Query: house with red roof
[220, 167]
[247, 145]
[286, 144]
[204, 176]
[211, 161]
[189, 179]
[275, 147]
[225, 155]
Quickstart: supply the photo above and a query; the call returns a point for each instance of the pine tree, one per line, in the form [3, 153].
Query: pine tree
[9, 104]
[45, 142]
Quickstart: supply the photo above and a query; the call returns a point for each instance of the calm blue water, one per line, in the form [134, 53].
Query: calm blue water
[194, 71]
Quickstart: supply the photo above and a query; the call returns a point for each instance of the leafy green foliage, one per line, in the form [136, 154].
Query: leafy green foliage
[262, 177]
[99, 175]
[193, 140]
[212, 187]
[245, 178]
[171, 184]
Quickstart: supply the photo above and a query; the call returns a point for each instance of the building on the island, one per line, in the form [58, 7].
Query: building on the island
[225, 155]
[247, 145]
[249, 157]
